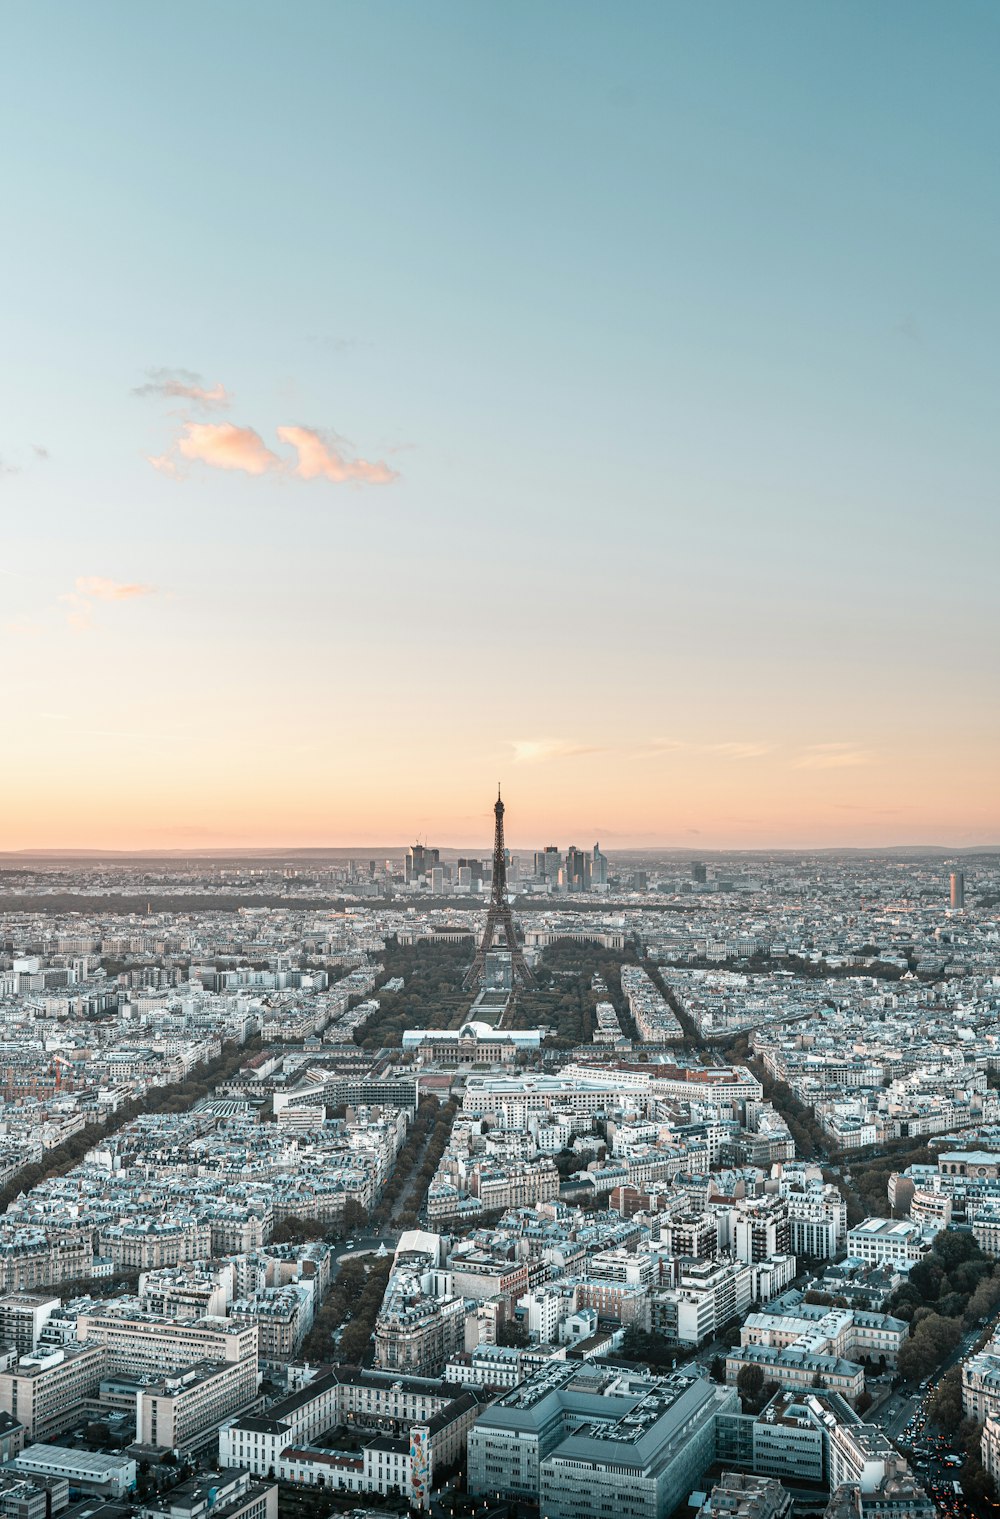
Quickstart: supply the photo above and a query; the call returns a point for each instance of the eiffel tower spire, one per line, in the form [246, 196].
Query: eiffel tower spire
[499, 915]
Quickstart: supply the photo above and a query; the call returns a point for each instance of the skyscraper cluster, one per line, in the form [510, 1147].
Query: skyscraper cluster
[577, 870]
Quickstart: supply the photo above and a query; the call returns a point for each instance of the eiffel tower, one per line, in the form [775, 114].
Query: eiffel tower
[499, 915]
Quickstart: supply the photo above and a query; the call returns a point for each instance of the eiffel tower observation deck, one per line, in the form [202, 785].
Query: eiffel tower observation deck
[498, 917]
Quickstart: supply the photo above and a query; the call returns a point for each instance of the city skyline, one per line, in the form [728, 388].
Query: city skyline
[652, 364]
[500, 843]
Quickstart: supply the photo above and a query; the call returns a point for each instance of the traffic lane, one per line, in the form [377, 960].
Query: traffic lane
[895, 1414]
[359, 1243]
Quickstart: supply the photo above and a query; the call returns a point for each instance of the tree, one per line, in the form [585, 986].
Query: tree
[750, 1381]
[642, 1345]
[985, 1301]
[717, 1370]
[293, 1228]
[946, 1402]
[355, 1216]
[513, 1332]
[932, 1340]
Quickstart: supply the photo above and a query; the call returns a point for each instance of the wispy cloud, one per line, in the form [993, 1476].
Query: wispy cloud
[838, 756]
[734, 749]
[88, 589]
[223, 445]
[656, 746]
[40, 452]
[8, 469]
[164, 465]
[321, 456]
[532, 751]
[101, 589]
[183, 385]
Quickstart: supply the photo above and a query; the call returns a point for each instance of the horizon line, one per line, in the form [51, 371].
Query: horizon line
[215, 850]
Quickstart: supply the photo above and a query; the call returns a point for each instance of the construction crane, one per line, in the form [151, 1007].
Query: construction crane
[58, 1063]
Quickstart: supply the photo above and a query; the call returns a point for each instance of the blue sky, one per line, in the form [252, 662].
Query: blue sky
[677, 325]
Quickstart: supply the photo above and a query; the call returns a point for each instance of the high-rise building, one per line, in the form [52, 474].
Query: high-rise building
[470, 873]
[577, 869]
[419, 861]
[957, 889]
[598, 868]
[698, 871]
[548, 863]
[23, 1316]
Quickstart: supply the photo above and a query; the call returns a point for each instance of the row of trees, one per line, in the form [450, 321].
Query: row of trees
[177, 1097]
[802, 1122]
[68, 901]
[424, 1145]
[421, 1179]
[951, 1289]
[356, 1295]
[692, 1038]
[932, 1339]
[955, 1279]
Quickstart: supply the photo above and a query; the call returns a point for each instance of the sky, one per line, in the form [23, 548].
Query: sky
[397, 398]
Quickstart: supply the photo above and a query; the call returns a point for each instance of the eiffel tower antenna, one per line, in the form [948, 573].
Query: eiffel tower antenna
[499, 914]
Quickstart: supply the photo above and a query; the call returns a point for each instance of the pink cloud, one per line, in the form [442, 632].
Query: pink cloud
[102, 589]
[183, 385]
[320, 458]
[79, 613]
[222, 445]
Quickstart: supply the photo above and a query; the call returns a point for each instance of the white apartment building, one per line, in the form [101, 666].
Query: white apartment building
[139, 1342]
[860, 1455]
[879, 1240]
[817, 1226]
[543, 1309]
[708, 1295]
